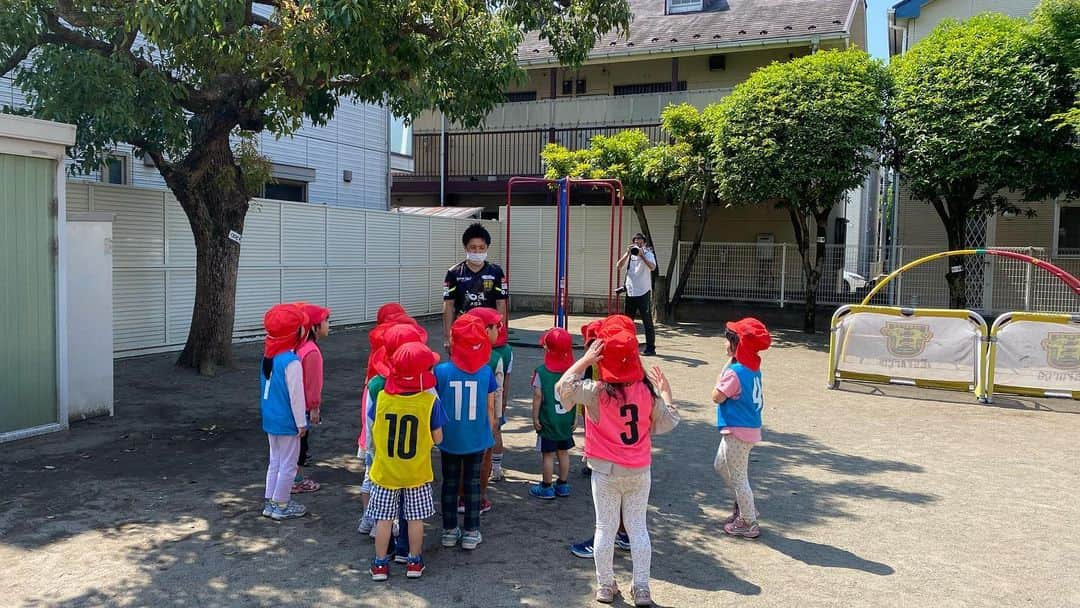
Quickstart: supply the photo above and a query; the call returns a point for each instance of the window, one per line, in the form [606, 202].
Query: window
[685, 6]
[1067, 230]
[651, 87]
[524, 95]
[400, 137]
[569, 88]
[115, 170]
[286, 190]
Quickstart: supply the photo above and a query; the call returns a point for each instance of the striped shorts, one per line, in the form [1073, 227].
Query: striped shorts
[384, 503]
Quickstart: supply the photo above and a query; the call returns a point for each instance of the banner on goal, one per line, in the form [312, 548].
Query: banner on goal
[1035, 354]
[922, 347]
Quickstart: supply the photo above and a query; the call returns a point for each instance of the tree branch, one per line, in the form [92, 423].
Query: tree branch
[193, 101]
[15, 59]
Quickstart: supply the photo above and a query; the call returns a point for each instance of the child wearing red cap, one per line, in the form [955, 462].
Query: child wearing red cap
[623, 410]
[388, 315]
[554, 424]
[395, 336]
[502, 363]
[311, 360]
[282, 407]
[406, 423]
[739, 401]
[467, 386]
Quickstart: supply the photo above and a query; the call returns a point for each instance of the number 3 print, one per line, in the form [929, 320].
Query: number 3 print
[632, 435]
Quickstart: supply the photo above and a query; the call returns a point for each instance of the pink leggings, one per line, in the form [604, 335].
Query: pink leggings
[284, 450]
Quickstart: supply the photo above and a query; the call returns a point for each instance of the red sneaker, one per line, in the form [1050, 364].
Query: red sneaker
[380, 570]
[731, 518]
[485, 505]
[415, 569]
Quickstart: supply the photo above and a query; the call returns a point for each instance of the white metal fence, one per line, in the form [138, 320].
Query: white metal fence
[753, 272]
[350, 259]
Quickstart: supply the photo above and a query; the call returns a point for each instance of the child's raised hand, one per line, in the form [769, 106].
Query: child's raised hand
[660, 382]
[595, 352]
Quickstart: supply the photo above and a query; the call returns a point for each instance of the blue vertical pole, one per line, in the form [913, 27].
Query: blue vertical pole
[561, 257]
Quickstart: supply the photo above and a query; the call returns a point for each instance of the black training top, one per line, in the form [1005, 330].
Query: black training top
[470, 289]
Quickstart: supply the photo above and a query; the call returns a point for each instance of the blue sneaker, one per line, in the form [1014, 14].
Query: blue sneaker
[562, 489]
[622, 541]
[584, 549]
[287, 510]
[539, 491]
[268, 507]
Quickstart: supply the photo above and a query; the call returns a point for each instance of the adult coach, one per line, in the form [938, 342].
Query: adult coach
[473, 282]
[477, 283]
[640, 261]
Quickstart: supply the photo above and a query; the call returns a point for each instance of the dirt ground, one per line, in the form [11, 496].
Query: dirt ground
[870, 496]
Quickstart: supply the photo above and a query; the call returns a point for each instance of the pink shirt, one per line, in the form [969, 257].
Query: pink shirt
[312, 361]
[728, 383]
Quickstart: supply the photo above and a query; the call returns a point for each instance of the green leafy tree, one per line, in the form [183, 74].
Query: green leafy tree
[972, 119]
[801, 134]
[189, 81]
[608, 157]
[1056, 28]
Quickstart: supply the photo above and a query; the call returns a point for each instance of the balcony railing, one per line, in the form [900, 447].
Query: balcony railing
[567, 112]
[494, 155]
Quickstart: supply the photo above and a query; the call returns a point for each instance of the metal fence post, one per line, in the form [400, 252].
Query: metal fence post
[1029, 287]
[900, 279]
[783, 271]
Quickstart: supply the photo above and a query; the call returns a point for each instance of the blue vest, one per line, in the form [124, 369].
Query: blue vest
[277, 417]
[464, 398]
[746, 410]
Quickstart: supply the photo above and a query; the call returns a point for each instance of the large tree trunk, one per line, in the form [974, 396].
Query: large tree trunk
[811, 265]
[676, 237]
[813, 275]
[953, 215]
[954, 276]
[691, 257]
[211, 193]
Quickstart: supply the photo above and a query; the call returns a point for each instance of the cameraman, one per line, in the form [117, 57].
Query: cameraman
[640, 261]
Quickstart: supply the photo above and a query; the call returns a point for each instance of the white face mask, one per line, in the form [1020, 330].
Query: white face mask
[476, 258]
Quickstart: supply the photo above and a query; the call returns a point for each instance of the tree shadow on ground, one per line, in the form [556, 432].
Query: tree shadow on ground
[166, 497]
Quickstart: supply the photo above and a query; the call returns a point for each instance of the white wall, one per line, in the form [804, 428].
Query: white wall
[355, 139]
[352, 260]
[90, 315]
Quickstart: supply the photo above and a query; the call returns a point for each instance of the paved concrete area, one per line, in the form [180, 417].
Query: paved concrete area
[870, 496]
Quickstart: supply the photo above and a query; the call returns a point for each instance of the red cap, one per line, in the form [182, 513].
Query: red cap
[393, 339]
[753, 338]
[590, 329]
[388, 311]
[411, 369]
[558, 349]
[282, 323]
[621, 363]
[490, 316]
[316, 314]
[470, 347]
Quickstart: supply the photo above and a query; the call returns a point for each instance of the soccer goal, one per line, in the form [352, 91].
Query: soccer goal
[1034, 354]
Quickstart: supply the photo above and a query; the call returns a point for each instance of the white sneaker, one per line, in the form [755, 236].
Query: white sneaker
[471, 539]
[497, 474]
[367, 525]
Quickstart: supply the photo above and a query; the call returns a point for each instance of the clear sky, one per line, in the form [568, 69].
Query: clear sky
[875, 27]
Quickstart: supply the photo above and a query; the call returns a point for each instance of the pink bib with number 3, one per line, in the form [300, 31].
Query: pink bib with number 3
[622, 435]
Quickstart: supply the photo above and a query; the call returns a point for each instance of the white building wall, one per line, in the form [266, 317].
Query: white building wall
[355, 139]
[352, 260]
[937, 10]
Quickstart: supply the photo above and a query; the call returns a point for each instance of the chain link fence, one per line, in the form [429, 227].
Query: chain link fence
[773, 273]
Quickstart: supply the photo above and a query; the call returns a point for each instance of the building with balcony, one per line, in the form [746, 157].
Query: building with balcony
[677, 51]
